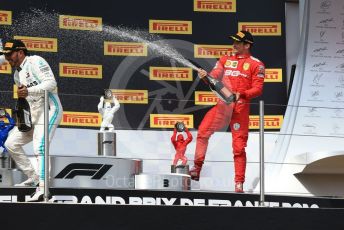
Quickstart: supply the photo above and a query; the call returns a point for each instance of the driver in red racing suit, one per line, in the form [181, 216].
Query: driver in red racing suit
[244, 76]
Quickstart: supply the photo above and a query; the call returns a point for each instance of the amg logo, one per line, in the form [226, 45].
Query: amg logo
[96, 171]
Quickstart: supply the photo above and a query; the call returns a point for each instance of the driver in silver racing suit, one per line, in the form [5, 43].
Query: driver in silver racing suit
[33, 75]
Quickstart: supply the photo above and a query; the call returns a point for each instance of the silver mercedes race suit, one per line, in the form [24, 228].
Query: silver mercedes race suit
[36, 74]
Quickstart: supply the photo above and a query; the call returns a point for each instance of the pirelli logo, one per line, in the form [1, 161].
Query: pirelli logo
[80, 23]
[215, 5]
[170, 27]
[125, 49]
[131, 96]
[5, 17]
[205, 98]
[81, 70]
[5, 68]
[39, 44]
[170, 73]
[261, 28]
[270, 122]
[273, 75]
[212, 51]
[169, 120]
[81, 119]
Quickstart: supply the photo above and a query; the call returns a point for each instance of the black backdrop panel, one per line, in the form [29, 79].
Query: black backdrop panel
[41, 19]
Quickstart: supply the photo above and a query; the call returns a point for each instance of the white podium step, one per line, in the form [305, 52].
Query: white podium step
[172, 181]
[10, 177]
[101, 172]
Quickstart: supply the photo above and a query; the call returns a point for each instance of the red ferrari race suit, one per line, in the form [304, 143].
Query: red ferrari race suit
[242, 74]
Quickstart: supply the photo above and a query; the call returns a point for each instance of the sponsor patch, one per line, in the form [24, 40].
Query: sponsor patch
[236, 126]
[231, 64]
[246, 66]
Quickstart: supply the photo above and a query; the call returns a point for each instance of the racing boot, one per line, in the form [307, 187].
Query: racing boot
[30, 182]
[239, 187]
[195, 173]
[37, 196]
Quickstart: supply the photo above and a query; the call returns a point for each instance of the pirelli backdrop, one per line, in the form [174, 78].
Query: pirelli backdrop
[134, 48]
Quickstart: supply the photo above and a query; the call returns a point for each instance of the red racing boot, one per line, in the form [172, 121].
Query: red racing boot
[239, 187]
[195, 173]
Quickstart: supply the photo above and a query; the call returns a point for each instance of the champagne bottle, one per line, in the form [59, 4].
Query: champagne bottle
[219, 89]
[23, 115]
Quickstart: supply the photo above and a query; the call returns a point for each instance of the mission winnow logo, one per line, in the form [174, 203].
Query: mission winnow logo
[96, 171]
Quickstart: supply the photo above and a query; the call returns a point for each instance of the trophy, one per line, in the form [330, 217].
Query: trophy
[179, 143]
[180, 126]
[108, 105]
[108, 95]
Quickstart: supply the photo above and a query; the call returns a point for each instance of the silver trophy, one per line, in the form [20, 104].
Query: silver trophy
[180, 126]
[107, 107]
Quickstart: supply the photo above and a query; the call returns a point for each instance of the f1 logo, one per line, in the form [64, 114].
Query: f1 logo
[97, 171]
